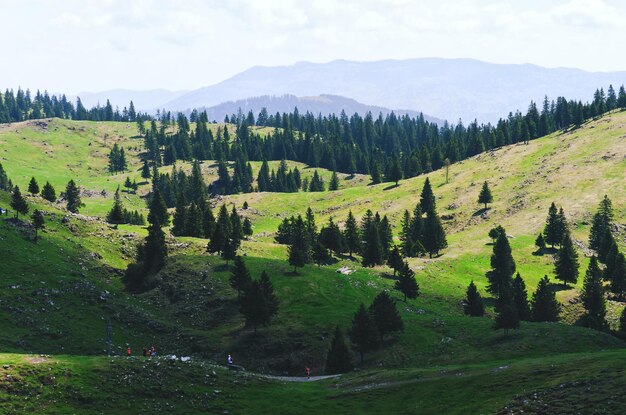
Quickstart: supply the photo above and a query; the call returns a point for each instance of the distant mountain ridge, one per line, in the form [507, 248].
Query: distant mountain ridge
[322, 104]
[142, 100]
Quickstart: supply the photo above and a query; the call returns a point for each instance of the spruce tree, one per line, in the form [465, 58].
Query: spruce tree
[376, 174]
[495, 232]
[247, 227]
[320, 254]
[544, 305]
[385, 315]
[406, 282]
[38, 222]
[601, 223]
[363, 333]
[180, 217]
[145, 170]
[485, 196]
[395, 172]
[155, 249]
[618, 280]
[254, 306]
[300, 245]
[552, 231]
[49, 193]
[394, 260]
[33, 186]
[334, 182]
[193, 222]
[116, 214]
[240, 276]
[502, 266]
[507, 316]
[158, 207]
[427, 198]
[592, 297]
[221, 232]
[18, 203]
[268, 291]
[540, 243]
[351, 234]
[72, 196]
[474, 306]
[520, 298]
[338, 357]
[434, 236]
[566, 264]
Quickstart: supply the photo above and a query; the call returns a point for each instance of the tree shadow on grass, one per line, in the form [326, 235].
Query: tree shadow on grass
[481, 211]
[554, 286]
[393, 186]
[222, 267]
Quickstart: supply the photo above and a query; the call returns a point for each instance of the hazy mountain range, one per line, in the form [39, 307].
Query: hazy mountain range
[442, 88]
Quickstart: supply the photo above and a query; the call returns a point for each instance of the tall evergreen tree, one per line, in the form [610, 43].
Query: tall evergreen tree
[363, 333]
[601, 223]
[385, 315]
[406, 282]
[334, 182]
[254, 305]
[552, 229]
[338, 357]
[474, 306]
[240, 276]
[592, 297]
[158, 207]
[299, 250]
[116, 214]
[544, 305]
[434, 237]
[351, 234]
[520, 298]
[427, 198]
[618, 279]
[566, 264]
[268, 291]
[395, 172]
[502, 266]
[18, 203]
[394, 260]
[485, 196]
[72, 196]
[38, 222]
[33, 186]
[49, 193]
[507, 316]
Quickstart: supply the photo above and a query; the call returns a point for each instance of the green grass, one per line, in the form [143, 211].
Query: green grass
[59, 293]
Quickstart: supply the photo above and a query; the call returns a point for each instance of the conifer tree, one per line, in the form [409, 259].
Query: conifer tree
[180, 217]
[544, 305]
[268, 291]
[38, 222]
[116, 214]
[363, 333]
[320, 254]
[394, 260]
[351, 234]
[158, 207]
[427, 198]
[434, 237]
[145, 170]
[618, 280]
[331, 237]
[334, 182]
[72, 195]
[502, 266]
[221, 233]
[495, 232]
[592, 297]
[600, 224]
[540, 243]
[485, 196]
[507, 317]
[371, 247]
[474, 306]
[5, 183]
[395, 172]
[193, 222]
[552, 229]
[520, 298]
[247, 227]
[622, 324]
[376, 174]
[338, 357]
[254, 306]
[33, 187]
[566, 264]
[385, 315]
[300, 245]
[406, 282]
[18, 203]
[240, 276]
[49, 193]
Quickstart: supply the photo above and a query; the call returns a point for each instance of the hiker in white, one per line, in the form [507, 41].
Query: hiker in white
[230, 360]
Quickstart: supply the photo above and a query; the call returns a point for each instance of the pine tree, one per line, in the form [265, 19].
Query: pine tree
[72, 195]
[351, 234]
[618, 280]
[193, 222]
[406, 282]
[395, 172]
[116, 214]
[474, 306]
[155, 249]
[394, 260]
[385, 315]
[495, 232]
[300, 245]
[622, 323]
[254, 306]
[38, 222]
[376, 174]
[363, 333]
[485, 196]
[551, 231]
[33, 187]
[145, 170]
[507, 316]
[240, 276]
[502, 266]
[371, 246]
[331, 237]
[180, 217]
[434, 236]
[158, 207]
[221, 233]
[268, 291]
[334, 182]
[600, 224]
[520, 298]
[540, 243]
[566, 264]
[247, 227]
[49, 193]
[18, 203]
[592, 297]
[427, 198]
[338, 357]
[544, 305]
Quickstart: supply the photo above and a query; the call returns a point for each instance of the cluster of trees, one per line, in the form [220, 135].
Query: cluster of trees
[258, 303]
[117, 159]
[21, 106]
[71, 196]
[178, 184]
[369, 328]
[119, 214]
[419, 234]
[227, 233]
[284, 180]
[5, 183]
[372, 239]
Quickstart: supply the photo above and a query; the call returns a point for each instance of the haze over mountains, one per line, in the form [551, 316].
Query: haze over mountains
[442, 88]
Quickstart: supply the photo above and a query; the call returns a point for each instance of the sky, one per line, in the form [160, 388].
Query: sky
[72, 46]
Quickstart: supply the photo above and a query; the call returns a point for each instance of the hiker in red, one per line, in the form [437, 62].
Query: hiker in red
[128, 351]
[308, 372]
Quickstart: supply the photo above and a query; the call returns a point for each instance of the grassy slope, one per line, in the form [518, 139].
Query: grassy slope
[579, 166]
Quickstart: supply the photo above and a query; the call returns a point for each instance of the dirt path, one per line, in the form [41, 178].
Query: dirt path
[299, 378]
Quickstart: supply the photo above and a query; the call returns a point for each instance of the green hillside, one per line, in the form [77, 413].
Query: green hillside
[59, 293]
